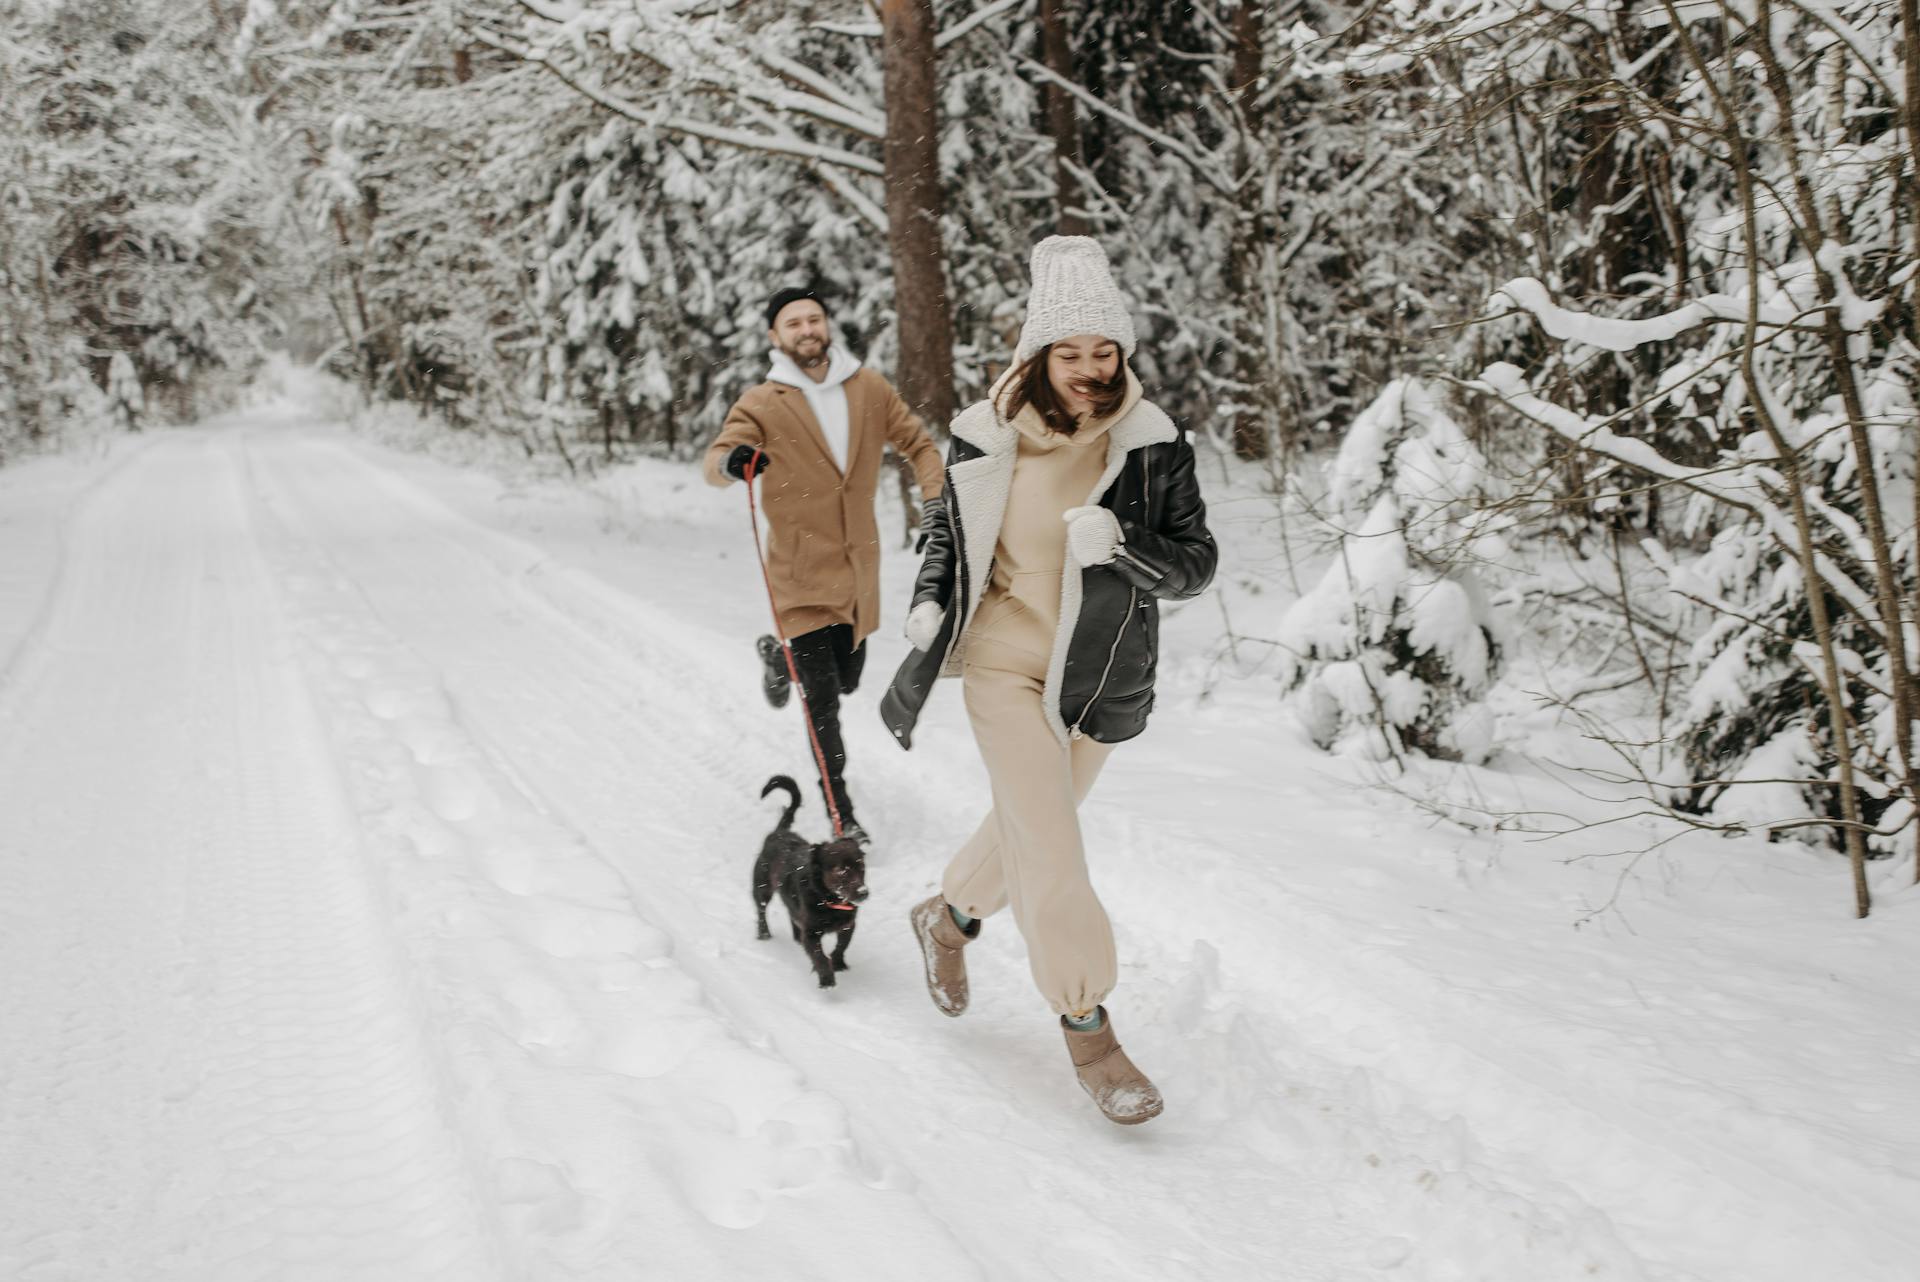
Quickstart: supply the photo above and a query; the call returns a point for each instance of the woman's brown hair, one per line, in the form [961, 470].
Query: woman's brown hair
[1034, 388]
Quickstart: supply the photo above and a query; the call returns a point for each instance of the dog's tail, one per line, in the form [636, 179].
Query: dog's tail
[793, 790]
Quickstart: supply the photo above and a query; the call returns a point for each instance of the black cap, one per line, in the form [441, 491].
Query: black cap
[786, 296]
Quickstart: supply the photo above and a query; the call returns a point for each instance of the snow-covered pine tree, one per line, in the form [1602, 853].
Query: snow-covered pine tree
[1391, 649]
[653, 263]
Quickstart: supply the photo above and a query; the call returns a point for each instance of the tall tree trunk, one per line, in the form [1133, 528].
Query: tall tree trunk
[1910, 67]
[1247, 22]
[1062, 124]
[1256, 424]
[363, 341]
[912, 152]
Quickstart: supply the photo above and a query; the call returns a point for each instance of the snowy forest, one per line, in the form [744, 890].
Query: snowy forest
[412, 703]
[1585, 327]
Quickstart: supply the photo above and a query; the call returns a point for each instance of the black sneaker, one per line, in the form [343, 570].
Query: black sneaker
[774, 682]
[853, 832]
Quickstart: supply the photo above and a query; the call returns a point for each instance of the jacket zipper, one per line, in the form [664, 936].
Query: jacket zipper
[1112, 653]
[1133, 601]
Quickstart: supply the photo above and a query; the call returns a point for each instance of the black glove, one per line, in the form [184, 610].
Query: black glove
[742, 455]
[931, 510]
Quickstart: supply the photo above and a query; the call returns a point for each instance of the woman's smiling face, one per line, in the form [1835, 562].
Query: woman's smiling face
[1074, 363]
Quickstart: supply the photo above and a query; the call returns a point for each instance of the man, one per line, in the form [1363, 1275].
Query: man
[815, 429]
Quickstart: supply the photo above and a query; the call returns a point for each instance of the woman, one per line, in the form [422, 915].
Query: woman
[1071, 509]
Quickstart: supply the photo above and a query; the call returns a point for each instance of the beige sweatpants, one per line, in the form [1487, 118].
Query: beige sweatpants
[1027, 852]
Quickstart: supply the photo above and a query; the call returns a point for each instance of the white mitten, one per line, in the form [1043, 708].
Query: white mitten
[923, 624]
[1093, 534]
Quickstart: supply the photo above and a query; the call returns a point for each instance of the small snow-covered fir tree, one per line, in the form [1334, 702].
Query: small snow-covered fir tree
[1391, 650]
[124, 393]
[1752, 735]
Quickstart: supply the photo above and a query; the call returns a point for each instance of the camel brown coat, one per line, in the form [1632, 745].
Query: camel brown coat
[823, 546]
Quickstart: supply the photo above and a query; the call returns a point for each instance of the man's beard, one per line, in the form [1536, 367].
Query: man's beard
[805, 355]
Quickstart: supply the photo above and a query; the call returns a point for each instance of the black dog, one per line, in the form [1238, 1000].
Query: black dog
[821, 883]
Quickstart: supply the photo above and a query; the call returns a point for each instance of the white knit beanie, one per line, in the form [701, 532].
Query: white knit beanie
[1073, 293]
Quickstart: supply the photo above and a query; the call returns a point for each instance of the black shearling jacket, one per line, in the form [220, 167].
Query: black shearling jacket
[1105, 689]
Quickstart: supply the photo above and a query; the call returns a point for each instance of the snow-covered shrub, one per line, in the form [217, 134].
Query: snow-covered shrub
[1392, 648]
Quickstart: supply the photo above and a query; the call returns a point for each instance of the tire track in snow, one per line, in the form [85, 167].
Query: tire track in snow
[19, 660]
[209, 1067]
[633, 1132]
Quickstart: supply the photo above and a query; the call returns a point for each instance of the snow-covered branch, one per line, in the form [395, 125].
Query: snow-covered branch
[872, 120]
[1209, 168]
[959, 30]
[1508, 382]
[1529, 295]
[985, 13]
[771, 143]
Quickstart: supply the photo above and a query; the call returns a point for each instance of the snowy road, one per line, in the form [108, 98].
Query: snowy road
[205, 1005]
[374, 888]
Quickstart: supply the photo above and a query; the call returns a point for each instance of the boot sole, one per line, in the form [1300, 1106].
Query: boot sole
[1133, 1119]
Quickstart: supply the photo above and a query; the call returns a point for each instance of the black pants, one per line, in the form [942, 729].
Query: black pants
[829, 664]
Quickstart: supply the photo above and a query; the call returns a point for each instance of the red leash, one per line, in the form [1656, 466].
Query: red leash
[793, 673]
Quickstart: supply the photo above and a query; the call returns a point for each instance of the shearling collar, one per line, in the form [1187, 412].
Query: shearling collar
[1145, 424]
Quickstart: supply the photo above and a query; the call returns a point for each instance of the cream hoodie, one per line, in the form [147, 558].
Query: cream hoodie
[827, 398]
[1019, 613]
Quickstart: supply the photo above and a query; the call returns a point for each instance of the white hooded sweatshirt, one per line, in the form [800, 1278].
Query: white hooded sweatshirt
[827, 398]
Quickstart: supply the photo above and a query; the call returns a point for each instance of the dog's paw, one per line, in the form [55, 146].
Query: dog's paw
[826, 980]
[839, 963]
[765, 933]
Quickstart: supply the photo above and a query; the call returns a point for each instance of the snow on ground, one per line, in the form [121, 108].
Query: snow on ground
[374, 870]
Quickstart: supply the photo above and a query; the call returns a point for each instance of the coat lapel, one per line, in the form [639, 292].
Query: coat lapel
[977, 492]
[859, 403]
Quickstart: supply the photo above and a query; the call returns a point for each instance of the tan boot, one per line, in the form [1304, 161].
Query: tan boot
[940, 945]
[1122, 1091]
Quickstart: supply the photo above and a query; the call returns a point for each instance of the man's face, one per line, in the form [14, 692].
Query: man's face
[800, 330]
